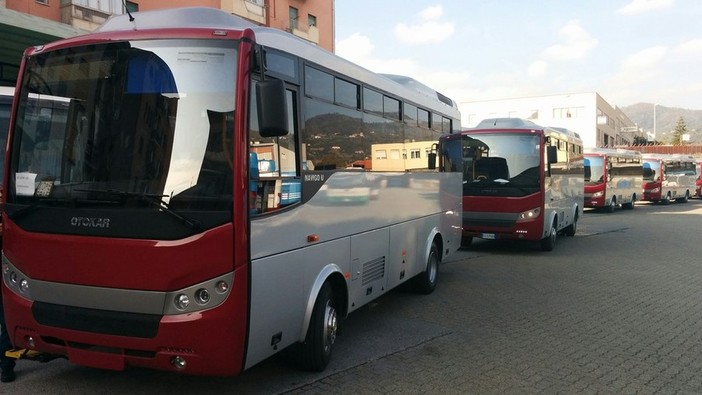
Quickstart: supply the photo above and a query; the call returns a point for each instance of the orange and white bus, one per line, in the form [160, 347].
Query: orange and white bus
[520, 180]
[171, 208]
[668, 177]
[613, 177]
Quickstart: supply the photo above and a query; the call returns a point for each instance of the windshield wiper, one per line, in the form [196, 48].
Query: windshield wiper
[155, 200]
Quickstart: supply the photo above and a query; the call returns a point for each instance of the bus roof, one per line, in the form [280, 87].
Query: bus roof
[216, 19]
[670, 157]
[616, 152]
[523, 124]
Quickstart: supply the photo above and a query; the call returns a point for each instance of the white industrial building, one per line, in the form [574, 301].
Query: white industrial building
[588, 114]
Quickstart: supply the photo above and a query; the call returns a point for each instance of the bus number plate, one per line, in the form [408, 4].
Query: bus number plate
[488, 236]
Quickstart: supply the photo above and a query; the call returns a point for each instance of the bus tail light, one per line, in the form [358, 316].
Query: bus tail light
[529, 215]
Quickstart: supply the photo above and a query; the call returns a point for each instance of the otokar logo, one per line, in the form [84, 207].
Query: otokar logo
[90, 222]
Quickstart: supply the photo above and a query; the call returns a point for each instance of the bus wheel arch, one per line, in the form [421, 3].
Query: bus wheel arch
[331, 274]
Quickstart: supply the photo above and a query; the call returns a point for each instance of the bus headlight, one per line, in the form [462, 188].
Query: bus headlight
[197, 297]
[182, 301]
[598, 194]
[202, 296]
[529, 215]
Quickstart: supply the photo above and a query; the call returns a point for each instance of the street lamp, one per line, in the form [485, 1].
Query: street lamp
[654, 121]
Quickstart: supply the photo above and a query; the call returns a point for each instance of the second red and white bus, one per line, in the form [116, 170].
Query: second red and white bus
[613, 177]
[520, 180]
[668, 177]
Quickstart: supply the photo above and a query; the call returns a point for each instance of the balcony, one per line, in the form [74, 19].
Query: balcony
[83, 17]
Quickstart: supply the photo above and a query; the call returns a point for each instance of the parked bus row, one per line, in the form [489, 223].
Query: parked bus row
[527, 182]
[619, 177]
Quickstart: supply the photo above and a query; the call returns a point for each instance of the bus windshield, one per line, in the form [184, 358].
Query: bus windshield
[504, 164]
[594, 170]
[650, 167]
[141, 125]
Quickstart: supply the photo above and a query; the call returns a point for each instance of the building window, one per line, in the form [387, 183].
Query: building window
[131, 6]
[414, 153]
[293, 17]
[45, 2]
[395, 154]
[311, 20]
[381, 154]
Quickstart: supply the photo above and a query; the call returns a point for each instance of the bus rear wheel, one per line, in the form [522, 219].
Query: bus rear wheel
[316, 351]
[572, 228]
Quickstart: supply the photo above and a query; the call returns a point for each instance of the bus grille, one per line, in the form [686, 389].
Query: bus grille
[373, 270]
[96, 321]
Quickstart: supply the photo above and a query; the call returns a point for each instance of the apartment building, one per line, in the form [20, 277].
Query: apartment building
[24, 23]
[599, 123]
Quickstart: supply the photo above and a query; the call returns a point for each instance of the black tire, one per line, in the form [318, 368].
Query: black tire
[572, 228]
[425, 282]
[612, 205]
[316, 351]
[684, 199]
[549, 242]
[666, 200]
[630, 205]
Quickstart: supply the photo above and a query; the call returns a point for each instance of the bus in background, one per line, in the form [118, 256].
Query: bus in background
[520, 180]
[668, 177]
[613, 177]
[698, 183]
[180, 132]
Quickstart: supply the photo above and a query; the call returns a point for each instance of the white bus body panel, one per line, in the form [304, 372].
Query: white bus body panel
[376, 244]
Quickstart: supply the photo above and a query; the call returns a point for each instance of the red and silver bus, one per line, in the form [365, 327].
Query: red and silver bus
[171, 209]
[520, 180]
[613, 177]
[668, 177]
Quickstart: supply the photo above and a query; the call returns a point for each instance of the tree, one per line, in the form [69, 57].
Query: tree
[679, 131]
[640, 140]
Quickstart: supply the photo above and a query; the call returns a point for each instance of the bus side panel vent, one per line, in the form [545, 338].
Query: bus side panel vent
[373, 270]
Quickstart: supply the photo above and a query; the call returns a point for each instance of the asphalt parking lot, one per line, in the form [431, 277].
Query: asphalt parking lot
[615, 309]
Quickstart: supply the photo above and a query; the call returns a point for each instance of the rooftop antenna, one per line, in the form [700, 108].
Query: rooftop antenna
[131, 18]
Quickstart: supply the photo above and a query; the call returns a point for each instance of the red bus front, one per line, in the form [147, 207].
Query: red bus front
[652, 180]
[595, 181]
[125, 237]
[503, 175]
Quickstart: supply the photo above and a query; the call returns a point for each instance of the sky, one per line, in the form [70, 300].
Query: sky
[628, 51]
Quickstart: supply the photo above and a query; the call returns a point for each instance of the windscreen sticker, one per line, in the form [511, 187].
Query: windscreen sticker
[24, 184]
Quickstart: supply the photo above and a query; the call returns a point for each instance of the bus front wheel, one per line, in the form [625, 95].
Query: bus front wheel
[425, 282]
[316, 351]
[548, 242]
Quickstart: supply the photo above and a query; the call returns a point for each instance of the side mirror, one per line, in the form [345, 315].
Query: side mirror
[272, 108]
